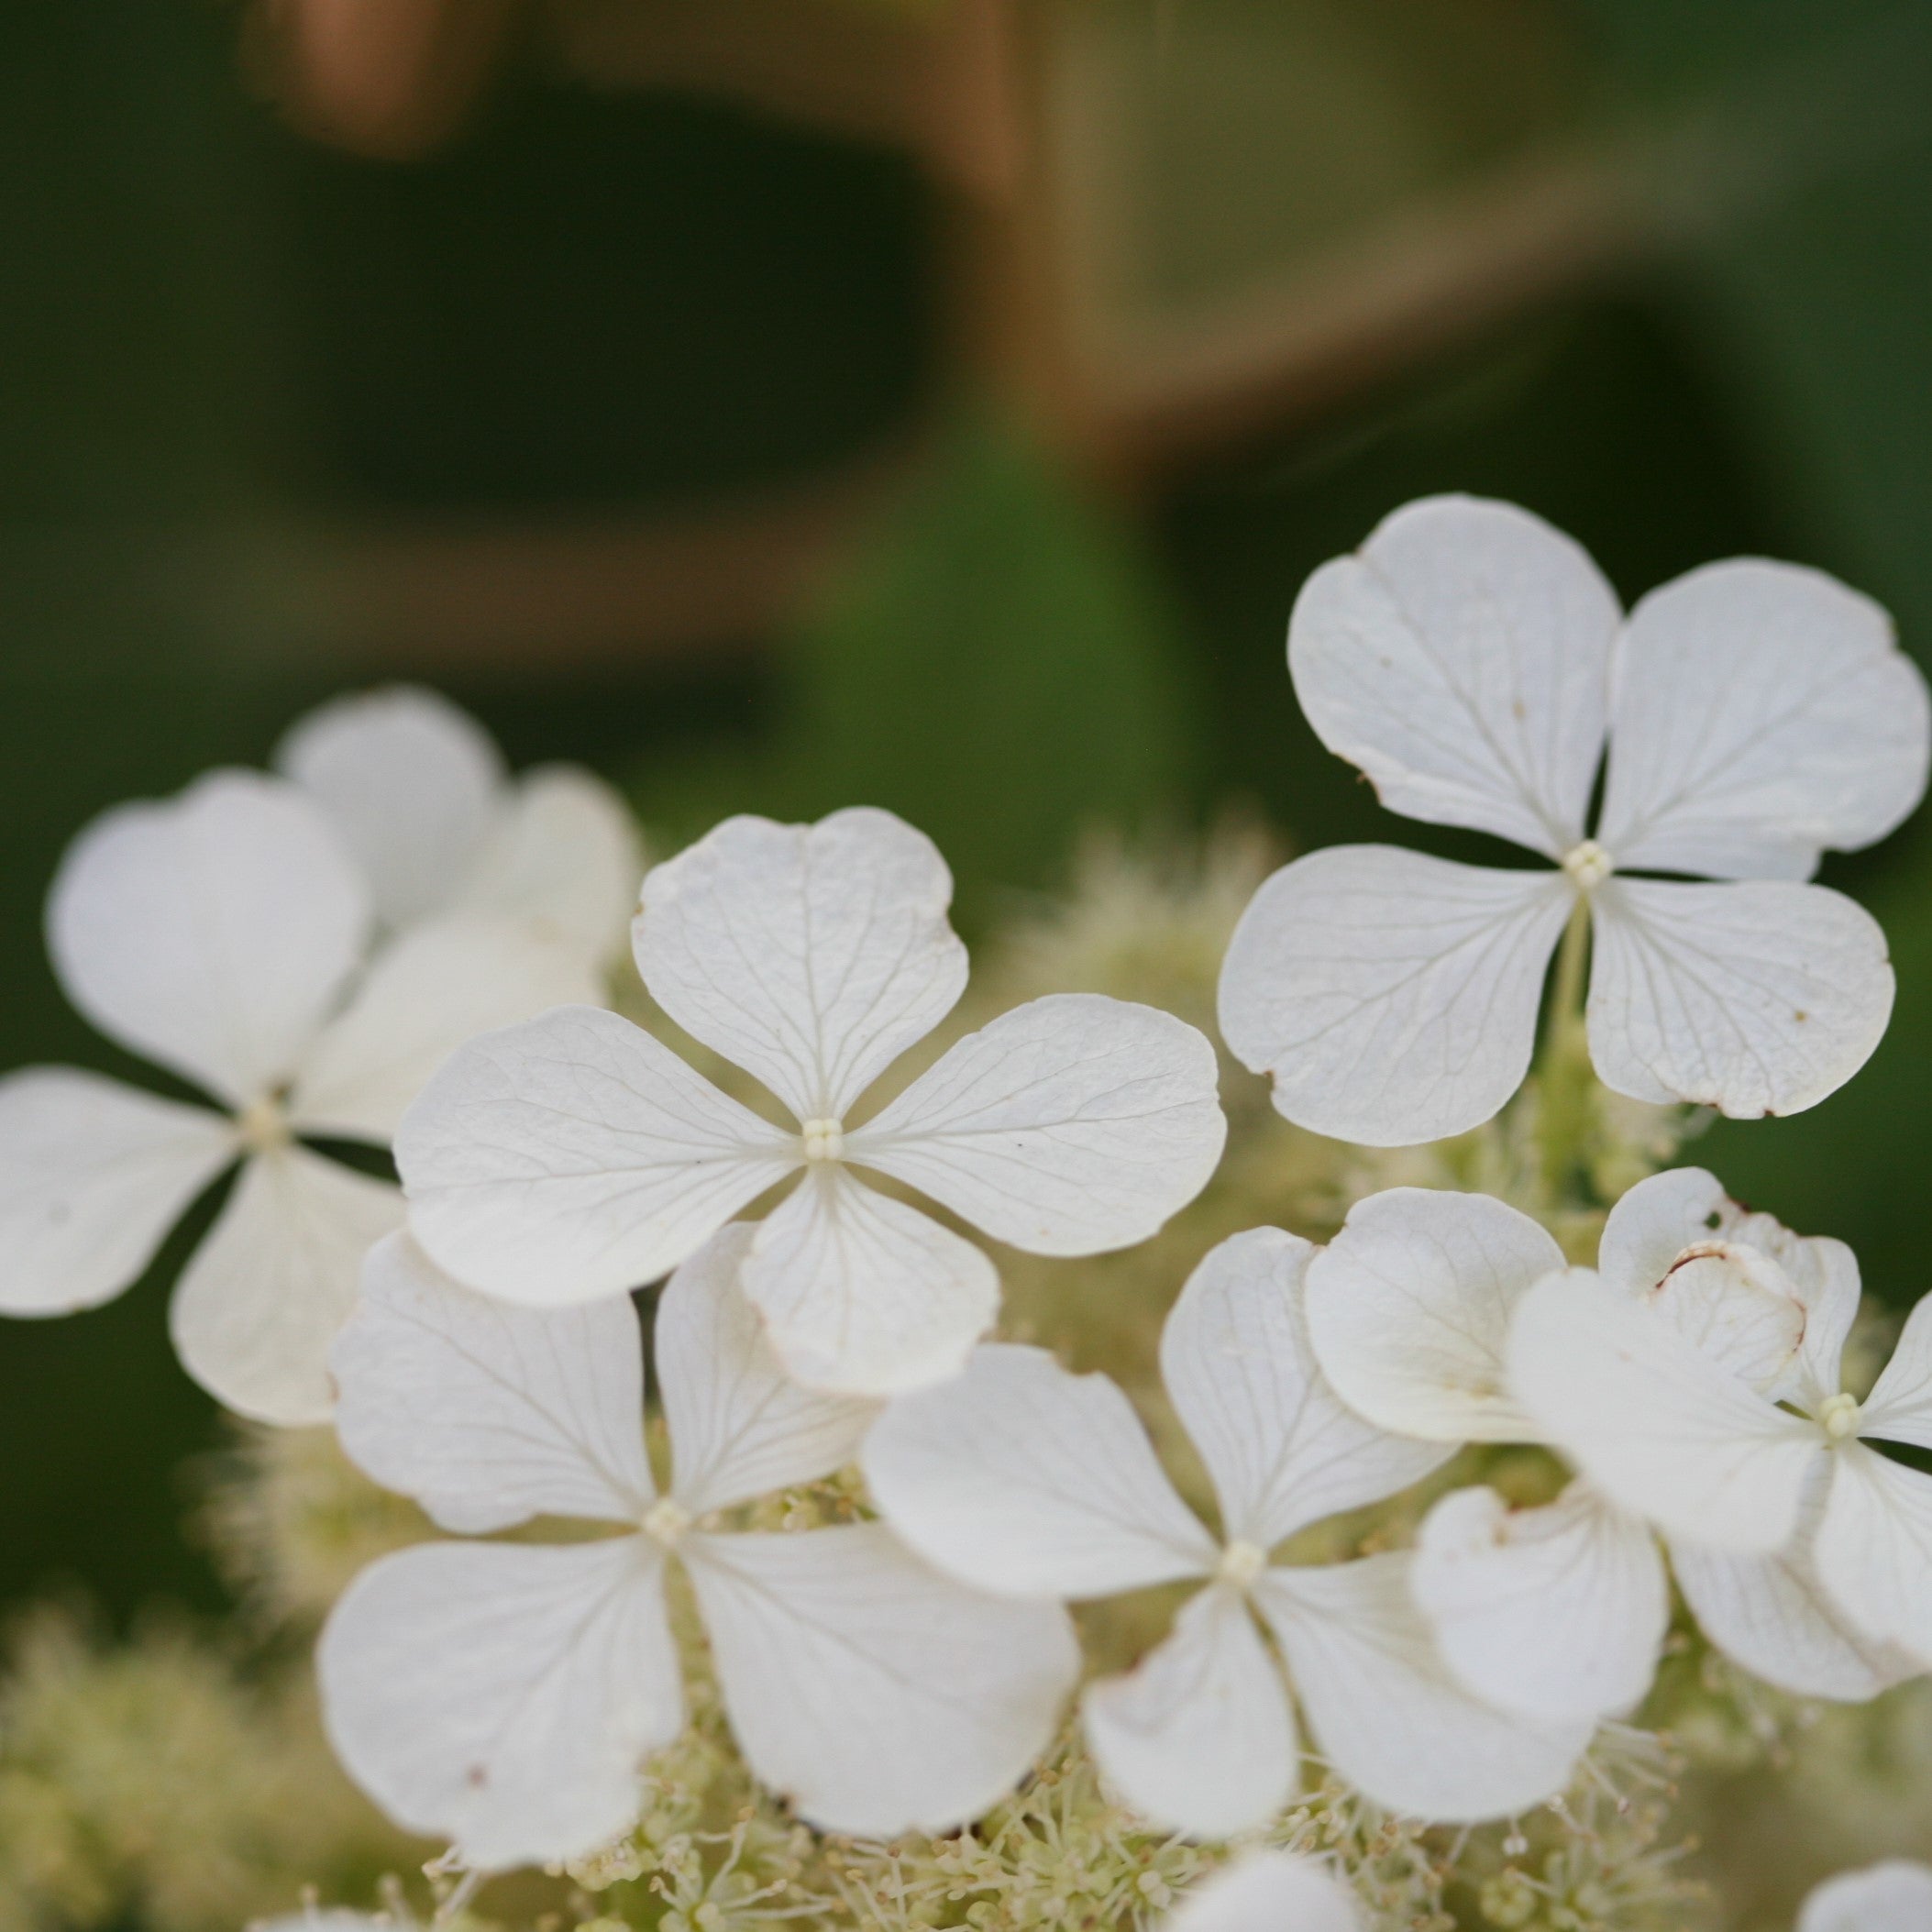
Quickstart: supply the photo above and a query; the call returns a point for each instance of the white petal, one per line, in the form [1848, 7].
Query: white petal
[1650, 1229]
[863, 1295]
[1761, 714]
[1873, 1550]
[1825, 1275]
[211, 932]
[485, 1413]
[563, 858]
[740, 1426]
[505, 1696]
[1198, 1735]
[1409, 1308]
[255, 1311]
[811, 956]
[876, 1695]
[1895, 1896]
[428, 991]
[1655, 1222]
[1019, 1477]
[1462, 659]
[1553, 1613]
[574, 1156]
[93, 1174]
[412, 782]
[1754, 998]
[1391, 997]
[1383, 1709]
[1899, 1407]
[1663, 1430]
[1268, 1892]
[1737, 1307]
[1772, 1615]
[1069, 1126]
[1282, 1448]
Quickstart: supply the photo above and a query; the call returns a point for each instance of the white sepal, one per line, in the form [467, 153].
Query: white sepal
[876, 1695]
[1762, 713]
[1383, 1709]
[1071, 1125]
[1019, 1477]
[1283, 1449]
[1410, 1307]
[861, 1294]
[1392, 998]
[1668, 1433]
[1462, 660]
[211, 933]
[505, 1696]
[1557, 1612]
[811, 956]
[485, 1413]
[93, 1174]
[739, 1426]
[1198, 1735]
[574, 1156]
[1755, 996]
[256, 1308]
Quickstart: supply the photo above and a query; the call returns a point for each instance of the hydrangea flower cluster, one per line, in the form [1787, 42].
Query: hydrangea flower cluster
[854, 1514]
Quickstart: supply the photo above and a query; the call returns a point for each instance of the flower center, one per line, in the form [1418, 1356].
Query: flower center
[1588, 865]
[1241, 1562]
[1840, 1415]
[665, 1520]
[824, 1140]
[262, 1127]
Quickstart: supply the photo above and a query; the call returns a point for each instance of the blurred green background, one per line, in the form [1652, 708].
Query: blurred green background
[234, 352]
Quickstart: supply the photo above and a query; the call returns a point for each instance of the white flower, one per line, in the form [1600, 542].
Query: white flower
[1022, 1478]
[1711, 1404]
[505, 1694]
[222, 935]
[1268, 1892]
[576, 1156]
[1413, 1310]
[1893, 1896]
[421, 796]
[1473, 662]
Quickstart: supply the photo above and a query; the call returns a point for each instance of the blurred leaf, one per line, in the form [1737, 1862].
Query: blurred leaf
[1000, 665]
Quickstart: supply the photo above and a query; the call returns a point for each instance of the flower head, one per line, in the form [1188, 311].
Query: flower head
[576, 1156]
[225, 934]
[1453, 1318]
[506, 1694]
[1022, 1478]
[1473, 663]
[1706, 1397]
[421, 796]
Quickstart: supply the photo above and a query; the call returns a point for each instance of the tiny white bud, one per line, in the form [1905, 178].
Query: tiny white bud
[824, 1140]
[1839, 1416]
[665, 1520]
[1241, 1562]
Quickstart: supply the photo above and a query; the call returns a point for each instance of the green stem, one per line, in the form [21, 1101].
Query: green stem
[1565, 1079]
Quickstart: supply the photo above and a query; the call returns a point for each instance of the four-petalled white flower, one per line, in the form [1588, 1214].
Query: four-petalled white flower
[1713, 1406]
[577, 1156]
[1022, 1478]
[224, 934]
[1473, 662]
[505, 1694]
[1413, 1309]
[421, 796]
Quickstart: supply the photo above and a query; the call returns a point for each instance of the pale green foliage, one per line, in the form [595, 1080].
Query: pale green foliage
[166, 1783]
